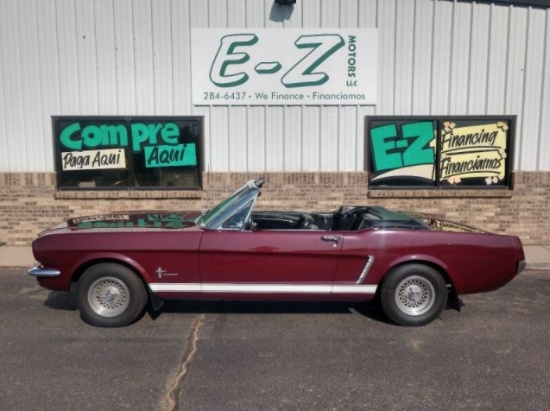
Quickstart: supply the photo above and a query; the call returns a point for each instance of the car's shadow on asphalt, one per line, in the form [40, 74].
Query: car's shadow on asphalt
[67, 301]
[61, 301]
[368, 309]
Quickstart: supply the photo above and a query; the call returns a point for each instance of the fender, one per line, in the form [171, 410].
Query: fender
[155, 303]
[421, 258]
[111, 257]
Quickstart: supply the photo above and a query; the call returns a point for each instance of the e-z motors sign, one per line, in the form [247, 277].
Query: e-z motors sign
[284, 66]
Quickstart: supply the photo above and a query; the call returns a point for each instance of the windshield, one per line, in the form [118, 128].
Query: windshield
[225, 205]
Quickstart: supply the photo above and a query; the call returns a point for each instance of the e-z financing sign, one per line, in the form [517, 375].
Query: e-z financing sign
[454, 151]
[284, 66]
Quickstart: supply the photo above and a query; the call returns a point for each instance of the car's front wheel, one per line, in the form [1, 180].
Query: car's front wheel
[110, 295]
[413, 295]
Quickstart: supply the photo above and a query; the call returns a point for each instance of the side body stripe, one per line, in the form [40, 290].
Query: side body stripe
[263, 288]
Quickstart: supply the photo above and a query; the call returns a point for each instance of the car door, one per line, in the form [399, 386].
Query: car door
[299, 262]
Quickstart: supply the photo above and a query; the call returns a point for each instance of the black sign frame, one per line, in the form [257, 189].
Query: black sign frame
[439, 121]
[128, 151]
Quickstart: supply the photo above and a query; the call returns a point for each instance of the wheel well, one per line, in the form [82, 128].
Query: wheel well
[452, 291]
[154, 301]
[82, 269]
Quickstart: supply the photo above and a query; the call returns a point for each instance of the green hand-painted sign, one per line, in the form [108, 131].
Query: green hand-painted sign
[77, 138]
[127, 152]
[170, 156]
[160, 141]
[410, 148]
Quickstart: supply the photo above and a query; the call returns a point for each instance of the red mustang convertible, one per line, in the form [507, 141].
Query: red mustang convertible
[414, 264]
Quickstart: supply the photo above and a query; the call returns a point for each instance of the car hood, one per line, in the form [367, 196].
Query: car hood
[130, 220]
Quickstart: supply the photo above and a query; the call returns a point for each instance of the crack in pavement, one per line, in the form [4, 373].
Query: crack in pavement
[171, 397]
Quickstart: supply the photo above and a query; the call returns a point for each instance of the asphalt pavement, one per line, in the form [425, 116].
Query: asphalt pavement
[493, 355]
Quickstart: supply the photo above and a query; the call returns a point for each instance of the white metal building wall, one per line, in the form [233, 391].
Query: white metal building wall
[132, 57]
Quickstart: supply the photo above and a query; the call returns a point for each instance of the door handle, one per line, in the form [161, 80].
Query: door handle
[331, 239]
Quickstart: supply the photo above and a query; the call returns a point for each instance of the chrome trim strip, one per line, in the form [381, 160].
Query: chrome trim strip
[354, 289]
[366, 270]
[189, 287]
[264, 288]
[39, 271]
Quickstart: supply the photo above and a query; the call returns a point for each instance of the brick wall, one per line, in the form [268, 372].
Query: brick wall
[30, 203]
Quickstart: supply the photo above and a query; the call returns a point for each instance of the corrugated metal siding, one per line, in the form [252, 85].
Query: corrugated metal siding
[115, 57]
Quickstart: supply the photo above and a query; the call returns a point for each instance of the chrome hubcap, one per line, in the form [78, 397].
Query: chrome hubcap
[414, 295]
[108, 297]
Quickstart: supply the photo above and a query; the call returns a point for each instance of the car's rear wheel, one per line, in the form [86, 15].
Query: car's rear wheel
[413, 295]
[110, 295]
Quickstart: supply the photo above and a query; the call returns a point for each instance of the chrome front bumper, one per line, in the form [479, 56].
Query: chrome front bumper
[39, 271]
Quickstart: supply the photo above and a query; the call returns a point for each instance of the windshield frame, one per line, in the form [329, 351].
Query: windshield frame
[215, 218]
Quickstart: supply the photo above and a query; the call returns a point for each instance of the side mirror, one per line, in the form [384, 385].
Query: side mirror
[259, 182]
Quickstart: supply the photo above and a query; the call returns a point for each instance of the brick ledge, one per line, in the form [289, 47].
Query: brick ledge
[143, 195]
[440, 194]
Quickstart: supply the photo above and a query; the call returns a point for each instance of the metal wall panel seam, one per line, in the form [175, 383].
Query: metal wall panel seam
[117, 80]
[66, 45]
[30, 81]
[100, 109]
[532, 79]
[515, 80]
[49, 73]
[469, 80]
[161, 22]
[519, 142]
[413, 59]
[477, 95]
[460, 68]
[21, 78]
[508, 59]
[106, 56]
[423, 57]
[152, 31]
[498, 59]
[87, 62]
[449, 91]
[434, 41]
[12, 73]
[488, 65]
[198, 17]
[134, 57]
[395, 58]
[544, 155]
[4, 157]
[48, 82]
[182, 52]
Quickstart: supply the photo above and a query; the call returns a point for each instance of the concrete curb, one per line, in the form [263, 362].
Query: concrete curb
[16, 256]
[537, 266]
